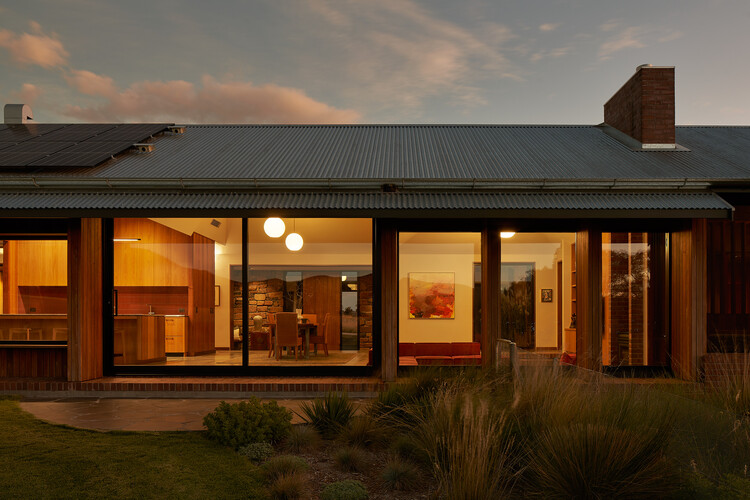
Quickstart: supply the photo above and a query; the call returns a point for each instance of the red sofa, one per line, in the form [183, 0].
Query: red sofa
[439, 353]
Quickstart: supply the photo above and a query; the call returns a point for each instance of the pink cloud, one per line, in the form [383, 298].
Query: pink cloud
[90, 83]
[212, 102]
[34, 48]
[28, 94]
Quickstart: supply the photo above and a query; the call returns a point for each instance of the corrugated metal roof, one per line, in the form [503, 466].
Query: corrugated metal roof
[430, 152]
[366, 201]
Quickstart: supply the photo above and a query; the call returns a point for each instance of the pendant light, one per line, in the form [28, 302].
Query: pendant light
[274, 227]
[507, 234]
[293, 240]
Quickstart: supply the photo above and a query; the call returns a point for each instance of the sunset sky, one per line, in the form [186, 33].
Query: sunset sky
[379, 61]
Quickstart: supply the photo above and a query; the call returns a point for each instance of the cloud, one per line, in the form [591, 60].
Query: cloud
[398, 53]
[669, 37]
[547, 54]
[629, 38]
[90, 83]
[28, 94]
[212, 102]
[36, 48]
[549, 26]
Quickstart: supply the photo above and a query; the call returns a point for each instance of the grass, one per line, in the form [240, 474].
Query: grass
[40, 460]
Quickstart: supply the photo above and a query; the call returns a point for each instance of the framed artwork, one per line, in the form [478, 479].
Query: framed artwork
[432, 295]
[546, 295]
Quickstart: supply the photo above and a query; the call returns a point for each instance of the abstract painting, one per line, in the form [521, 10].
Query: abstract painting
[432, 295]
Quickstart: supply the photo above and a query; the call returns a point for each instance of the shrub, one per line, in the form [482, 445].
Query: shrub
[364, 431]
[248, 422]
[345, 490]
[284, 465]
[400, 475]
[350, 459]
[405, 447]
[288, 487]
[301, 438]
[330, 414]
[257, 452]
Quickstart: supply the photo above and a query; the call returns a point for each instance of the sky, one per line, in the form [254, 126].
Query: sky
[368, 61]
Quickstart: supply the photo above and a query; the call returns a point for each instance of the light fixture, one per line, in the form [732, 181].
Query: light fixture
[126, 239]
[507, 234]
[343, 277]
[274, 227]
[293, 240]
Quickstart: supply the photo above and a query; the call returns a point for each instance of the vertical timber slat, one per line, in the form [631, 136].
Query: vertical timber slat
[388, 242]
[589, 298]
[85, 356]
[490, 293]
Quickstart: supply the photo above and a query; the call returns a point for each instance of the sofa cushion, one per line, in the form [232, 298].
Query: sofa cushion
[433, 349]
[434, 360]
[465, 348]
[407, 361]
[406, 349]
[470, 360]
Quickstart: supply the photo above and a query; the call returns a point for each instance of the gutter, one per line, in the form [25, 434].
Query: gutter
[348, 185]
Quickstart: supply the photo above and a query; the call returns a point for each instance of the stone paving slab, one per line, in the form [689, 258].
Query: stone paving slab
[143, 414]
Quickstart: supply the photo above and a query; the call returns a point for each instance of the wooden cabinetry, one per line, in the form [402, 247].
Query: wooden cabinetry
[175, 330]
[569, 334]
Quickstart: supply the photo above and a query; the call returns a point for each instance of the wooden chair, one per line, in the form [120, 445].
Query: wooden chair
[287, 334]
[322, 335]
[59, 334]
[19, 334]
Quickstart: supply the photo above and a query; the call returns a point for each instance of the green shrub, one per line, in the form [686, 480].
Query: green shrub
[330, 414]
[405, 447]
[251, 421]
[345, 490]
[400, 475]
[288, 487]
[364, 431]
[350, 459]
[284, 465]
[257, 452]
[301, 438]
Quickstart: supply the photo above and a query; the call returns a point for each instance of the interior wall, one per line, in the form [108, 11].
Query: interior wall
[229, 254]
[434, 252]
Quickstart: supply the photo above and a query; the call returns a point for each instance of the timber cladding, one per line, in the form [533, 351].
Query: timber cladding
[34, 362]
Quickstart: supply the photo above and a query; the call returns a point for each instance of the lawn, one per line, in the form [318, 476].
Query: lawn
[40, 460]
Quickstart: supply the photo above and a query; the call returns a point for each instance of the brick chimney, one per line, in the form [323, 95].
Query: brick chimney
[643, 108]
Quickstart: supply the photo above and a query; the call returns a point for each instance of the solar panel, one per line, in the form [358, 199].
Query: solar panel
[20, 133]
[76, 133]
[100, 147]
[19, 159]
[133, 132]
[36, 146]
[70, 160]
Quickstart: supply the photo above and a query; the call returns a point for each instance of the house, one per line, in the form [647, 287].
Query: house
[158, 249]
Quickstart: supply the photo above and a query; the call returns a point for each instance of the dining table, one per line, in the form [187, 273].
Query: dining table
[303, 328]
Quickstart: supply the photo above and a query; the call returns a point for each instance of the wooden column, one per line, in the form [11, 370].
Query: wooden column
[589, 298]
[202, 329]
[388, 247]
[490, 293]
[689, 298]
[85, 357]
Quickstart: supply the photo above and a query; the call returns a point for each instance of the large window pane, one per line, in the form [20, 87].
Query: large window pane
[538, 291]
[439, 299]
[327, 284]
[33, 290]
[633, 284]
[172, 291]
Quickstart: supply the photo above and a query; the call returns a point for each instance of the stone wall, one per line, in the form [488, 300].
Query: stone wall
[365, 311]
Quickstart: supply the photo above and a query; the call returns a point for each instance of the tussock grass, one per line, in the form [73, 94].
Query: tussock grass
[330, 414]
[302, 438]
[350, 459]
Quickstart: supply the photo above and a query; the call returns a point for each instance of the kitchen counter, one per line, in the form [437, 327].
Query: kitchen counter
[139, 339]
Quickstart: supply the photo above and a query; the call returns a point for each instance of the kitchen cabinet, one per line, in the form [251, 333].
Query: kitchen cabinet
[175, 330]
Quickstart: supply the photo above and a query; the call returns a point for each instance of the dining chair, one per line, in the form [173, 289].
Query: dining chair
[287, 333]
[321, 336]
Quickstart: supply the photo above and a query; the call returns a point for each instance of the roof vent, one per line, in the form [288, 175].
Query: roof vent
[143, 147]
[17, 113]
[176, 129]
[215, 223]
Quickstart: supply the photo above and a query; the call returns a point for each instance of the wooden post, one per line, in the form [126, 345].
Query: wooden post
[689, 299]
[85, 356]
[388, 246]
[589, 298]
[490, 293]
